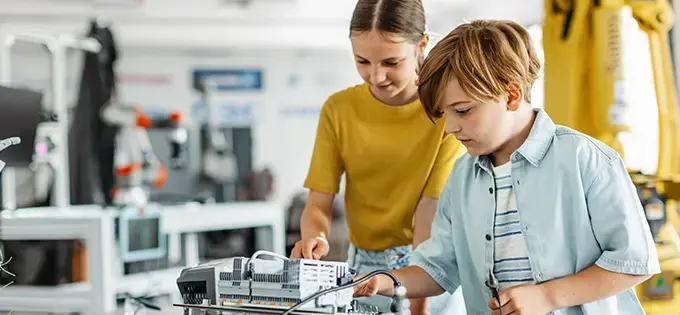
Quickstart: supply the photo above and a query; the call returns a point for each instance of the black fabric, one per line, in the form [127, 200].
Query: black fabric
[91, 141]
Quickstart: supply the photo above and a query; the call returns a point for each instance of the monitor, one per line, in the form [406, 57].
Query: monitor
[20, 112]
[139, 234]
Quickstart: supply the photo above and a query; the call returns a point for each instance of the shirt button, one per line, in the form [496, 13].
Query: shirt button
[488, 237]
[491, 190]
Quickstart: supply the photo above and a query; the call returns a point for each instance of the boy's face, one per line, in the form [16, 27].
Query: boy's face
[482, 128]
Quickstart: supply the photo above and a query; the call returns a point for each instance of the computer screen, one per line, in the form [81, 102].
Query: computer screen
[140, 234]
[143, 233]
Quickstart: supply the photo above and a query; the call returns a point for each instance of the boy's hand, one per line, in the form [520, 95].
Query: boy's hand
[526, 299]
[371, 286]
[310, 248]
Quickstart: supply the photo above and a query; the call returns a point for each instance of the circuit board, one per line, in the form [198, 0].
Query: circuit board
[270, 284]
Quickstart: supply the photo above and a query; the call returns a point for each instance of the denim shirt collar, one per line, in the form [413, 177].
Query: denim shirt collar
[534, 147]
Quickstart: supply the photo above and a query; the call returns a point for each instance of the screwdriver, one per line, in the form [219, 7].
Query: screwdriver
[492, 284]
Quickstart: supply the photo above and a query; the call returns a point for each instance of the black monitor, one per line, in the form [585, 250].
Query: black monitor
[19, 117]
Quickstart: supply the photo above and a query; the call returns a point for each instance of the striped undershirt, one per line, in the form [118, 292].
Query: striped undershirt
[511, 263]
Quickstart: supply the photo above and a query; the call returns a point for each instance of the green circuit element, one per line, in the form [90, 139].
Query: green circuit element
[659, 282]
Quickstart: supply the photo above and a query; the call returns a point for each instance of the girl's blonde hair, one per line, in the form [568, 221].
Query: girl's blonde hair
[486, 56]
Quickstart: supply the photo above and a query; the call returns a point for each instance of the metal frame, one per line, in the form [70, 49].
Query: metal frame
[88, 223]
[94, 225]
[58, 46]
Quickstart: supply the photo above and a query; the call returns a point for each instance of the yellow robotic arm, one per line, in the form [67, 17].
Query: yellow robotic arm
[585, 89]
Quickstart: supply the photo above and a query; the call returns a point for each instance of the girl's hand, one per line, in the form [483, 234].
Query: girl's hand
[310, 248]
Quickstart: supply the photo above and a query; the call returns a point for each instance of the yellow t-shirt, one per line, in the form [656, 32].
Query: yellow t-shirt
[392, 155]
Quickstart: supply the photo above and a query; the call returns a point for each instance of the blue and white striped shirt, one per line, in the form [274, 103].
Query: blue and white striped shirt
[511, 262]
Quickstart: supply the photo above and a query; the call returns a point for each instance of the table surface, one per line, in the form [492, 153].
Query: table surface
[166, 309]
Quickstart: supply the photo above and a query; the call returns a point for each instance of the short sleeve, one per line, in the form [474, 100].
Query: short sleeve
[326, 165]
[449, 151]
[436, 255]
[619, 223]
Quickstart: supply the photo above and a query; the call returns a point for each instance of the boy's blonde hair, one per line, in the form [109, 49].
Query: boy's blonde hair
[486, 56]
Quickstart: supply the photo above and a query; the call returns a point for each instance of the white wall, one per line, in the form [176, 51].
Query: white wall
[262, 23]
[292, 40]
[296, 83]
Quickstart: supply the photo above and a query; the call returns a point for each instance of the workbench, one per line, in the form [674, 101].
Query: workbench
[95, 226]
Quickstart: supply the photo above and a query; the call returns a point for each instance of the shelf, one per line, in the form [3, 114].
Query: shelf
[63, 298]
[94, 225]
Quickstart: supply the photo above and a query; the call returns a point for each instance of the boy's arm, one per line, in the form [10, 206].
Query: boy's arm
[601, 284]
[422, 223]
[436, 255]
[565, 292]
[433, 266]
[620, 226]
[433, 263]
[449, 151]
[417, 282]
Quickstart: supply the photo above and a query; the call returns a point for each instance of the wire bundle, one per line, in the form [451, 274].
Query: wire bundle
[342, 287]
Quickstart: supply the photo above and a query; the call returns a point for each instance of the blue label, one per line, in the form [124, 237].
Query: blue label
[230, 80]
[227, 113]
[300, 111]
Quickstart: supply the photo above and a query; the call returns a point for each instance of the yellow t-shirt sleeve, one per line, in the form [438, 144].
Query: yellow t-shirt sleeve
[449, 151]
[326, 165]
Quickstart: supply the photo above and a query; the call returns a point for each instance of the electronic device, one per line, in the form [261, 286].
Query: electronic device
[139, 234]
[275, 286]
[21, 110]
[4, 144]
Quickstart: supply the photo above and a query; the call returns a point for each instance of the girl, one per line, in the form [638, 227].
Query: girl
[394, 159]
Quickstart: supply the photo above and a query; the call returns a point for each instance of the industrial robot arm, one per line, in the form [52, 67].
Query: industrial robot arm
[584, 77]
[136, 165]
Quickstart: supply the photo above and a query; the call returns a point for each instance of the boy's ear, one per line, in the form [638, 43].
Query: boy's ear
[515, 96]
[423, 43]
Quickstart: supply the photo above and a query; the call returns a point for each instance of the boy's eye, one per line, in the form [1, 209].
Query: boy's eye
[463, 112]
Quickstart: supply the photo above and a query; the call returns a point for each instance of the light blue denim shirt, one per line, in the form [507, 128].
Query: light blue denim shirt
[578, 207]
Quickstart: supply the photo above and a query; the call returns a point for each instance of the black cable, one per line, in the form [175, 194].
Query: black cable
[342, 287]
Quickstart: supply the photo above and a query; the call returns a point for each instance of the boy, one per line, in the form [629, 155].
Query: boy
[543, 215]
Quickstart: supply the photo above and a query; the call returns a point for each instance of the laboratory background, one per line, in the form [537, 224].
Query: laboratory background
[148, 141]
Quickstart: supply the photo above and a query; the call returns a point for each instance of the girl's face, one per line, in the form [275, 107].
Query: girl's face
[387, 62]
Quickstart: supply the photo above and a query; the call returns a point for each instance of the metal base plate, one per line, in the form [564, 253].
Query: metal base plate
[235, 309]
